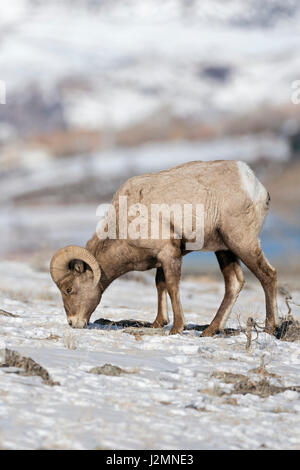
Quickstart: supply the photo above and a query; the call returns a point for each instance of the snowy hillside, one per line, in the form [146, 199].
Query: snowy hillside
[102, 63]
[51, 203]
[172, 392]
[98, 91]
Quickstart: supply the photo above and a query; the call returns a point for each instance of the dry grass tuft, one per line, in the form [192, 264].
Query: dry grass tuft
[8, 314]
[288, 329]
[49, 338]
[70, 340]
[228, 377]
[109, 369]
[242, 384]
[263, 371]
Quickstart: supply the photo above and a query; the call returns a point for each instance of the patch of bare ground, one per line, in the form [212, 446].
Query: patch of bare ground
[27, 365]
[137, 327]
[109, 369]
[262, 388]
[258, 385]
[105, 322]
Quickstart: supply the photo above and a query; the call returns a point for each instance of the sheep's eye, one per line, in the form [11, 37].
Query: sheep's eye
[69, 290]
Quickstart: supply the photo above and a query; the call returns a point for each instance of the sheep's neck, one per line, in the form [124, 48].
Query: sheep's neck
[112, 269]
[115, 258]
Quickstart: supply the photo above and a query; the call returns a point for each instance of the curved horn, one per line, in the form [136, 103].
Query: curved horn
[59, 265]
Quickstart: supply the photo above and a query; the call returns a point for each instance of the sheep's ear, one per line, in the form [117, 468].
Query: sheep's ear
[78, 266]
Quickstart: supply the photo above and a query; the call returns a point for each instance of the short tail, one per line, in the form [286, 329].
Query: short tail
[268, 201]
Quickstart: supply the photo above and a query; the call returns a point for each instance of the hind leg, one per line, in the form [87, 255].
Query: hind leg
[252, 256]
[172, 270]
[234, 281]
[162, 317]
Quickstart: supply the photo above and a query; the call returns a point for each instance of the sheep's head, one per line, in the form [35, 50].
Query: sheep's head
[76, 273]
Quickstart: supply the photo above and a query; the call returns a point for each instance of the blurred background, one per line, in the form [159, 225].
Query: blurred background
[99, 90]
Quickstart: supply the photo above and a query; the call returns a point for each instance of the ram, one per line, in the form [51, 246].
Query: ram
[234, 206]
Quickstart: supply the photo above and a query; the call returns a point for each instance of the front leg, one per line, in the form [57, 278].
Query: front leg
[162, 317]
[172, 271]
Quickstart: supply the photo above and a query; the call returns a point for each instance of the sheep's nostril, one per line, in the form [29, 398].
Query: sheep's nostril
[70, 322]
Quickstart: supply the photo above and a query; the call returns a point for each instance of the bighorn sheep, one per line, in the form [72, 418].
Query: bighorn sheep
[235, 205]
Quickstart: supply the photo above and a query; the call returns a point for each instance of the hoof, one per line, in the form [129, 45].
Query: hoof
[271, 329]
[158, 324]
[210, 332]
[176, 331]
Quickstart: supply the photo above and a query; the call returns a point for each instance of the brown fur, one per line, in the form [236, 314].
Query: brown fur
[232, 224]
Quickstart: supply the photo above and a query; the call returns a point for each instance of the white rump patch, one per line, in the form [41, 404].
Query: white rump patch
[256, 191]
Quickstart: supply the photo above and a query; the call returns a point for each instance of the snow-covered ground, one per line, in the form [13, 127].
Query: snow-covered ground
[168, 401]
[97, 64]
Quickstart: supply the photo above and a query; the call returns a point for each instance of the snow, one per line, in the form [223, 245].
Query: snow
[125, 49]
[167, 399]
[131, 60]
